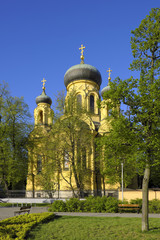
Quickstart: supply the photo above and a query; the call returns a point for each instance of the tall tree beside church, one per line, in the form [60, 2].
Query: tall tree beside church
[14, 132]
[75, 143]
[67, 146]
[141, 121]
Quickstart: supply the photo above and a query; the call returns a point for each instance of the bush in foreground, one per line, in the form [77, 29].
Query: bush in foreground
[18, 227]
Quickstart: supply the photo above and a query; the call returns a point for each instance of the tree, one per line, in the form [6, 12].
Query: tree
[116, 148]
[66, 145]
[141, 119]
[14, 131]
[72, 140]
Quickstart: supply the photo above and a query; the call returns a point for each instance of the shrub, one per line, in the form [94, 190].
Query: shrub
[137, 201]
[123, 202]
[18, 227]
[98, 204]
[101, 204]
[154, 206]
[58, 206]
[89, 204]
[111, 205]
[73, 205]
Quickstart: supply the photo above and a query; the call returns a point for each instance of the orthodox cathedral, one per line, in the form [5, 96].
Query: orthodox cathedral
[85, 80]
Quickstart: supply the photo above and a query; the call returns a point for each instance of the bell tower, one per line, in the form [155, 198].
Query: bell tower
[43, 114]
[85, 80]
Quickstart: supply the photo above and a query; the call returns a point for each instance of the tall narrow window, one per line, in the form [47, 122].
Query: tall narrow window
[84, 163]
[40, 117]
[66, 160]
[92, 103]
[39, 164]
[79, 100]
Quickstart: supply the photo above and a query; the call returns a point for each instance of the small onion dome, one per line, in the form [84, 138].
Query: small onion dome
[105, 89]
[43, 98]
[82, 71]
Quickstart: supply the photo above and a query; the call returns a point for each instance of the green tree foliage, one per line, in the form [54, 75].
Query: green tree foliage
[66, 145]
[116, 148]
[135, 135]
[72, 136]
[14, 130]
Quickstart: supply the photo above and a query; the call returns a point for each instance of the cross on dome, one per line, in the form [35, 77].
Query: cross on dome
[109, 73]
[43, 81]
[82, 56]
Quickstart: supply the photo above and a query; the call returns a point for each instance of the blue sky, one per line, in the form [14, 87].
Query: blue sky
[41, 39]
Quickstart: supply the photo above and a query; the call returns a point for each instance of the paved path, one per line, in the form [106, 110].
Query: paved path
[9, 212]
[106, 214]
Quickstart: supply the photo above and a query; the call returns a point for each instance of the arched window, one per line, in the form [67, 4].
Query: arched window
[39, 163]
[79, 100]
[40, 117]
[92, 103]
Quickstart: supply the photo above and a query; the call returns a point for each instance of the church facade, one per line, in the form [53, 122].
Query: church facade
[85, 80]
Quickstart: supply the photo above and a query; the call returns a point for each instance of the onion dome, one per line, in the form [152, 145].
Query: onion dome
[82, 72]
[105, 89]
[43, 98]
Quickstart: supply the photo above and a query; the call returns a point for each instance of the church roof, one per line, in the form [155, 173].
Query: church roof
[43, 98]
[105, 89]
[82, 71]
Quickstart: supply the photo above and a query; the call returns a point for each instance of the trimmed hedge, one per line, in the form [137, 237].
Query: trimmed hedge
[18, 227]
[98, 204]
[154, 206]
[91, 204]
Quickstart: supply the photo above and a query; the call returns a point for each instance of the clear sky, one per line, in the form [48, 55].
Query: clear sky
[41, 39]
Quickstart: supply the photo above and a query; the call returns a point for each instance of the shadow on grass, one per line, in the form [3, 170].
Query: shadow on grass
[154, 228]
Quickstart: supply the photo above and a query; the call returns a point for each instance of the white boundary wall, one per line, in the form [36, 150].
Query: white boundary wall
[28, 200]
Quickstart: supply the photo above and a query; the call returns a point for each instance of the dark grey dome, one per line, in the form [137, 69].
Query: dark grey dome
[105, 89]
[82, 71]
[43, 98]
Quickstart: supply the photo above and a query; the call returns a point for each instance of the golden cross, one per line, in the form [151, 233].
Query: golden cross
[109, 70]
[43, 81]
[82, 57]
[81, 48]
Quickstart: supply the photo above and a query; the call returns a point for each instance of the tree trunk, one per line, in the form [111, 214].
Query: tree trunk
[145, 223]
[33, 187]
[104, 188]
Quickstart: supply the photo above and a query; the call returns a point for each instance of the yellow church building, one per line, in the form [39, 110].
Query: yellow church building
[85, 80]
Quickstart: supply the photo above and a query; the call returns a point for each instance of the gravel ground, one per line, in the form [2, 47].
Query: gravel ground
[9, 212]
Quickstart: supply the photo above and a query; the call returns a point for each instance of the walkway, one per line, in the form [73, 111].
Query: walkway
[9, 212]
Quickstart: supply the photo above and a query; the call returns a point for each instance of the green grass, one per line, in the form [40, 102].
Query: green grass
[95, 228]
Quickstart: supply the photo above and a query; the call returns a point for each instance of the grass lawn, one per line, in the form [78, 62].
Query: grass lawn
[91, 228]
